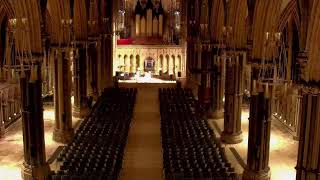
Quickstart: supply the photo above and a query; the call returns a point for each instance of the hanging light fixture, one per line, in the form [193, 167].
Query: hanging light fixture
[18, 51]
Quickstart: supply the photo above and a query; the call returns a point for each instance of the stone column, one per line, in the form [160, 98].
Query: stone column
[156, 66]
[94, 58]
[76, 85]
[63, 131]
[89, 70]
[309, 143]
[218, 87]
[83, 82]
[232, 133]
[99, 66]
[109, 61]
[165, 65]
[171, 66]
[133, 65]
[51, 72]
[103, 63]
[204, 90]
[5, 107]
[2, 127]
[259, 133]
[34, 165]
[11, 105]
[141, 66]
[127, 64]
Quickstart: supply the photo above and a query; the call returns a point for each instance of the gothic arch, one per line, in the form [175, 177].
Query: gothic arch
[80, 19]
[60, 11]
[266, 16]
[31, 39]
[291, 10]
[237, 14]
[217, 20]
[6, 10]
[313, 44]
[132, 64]
[137, 61]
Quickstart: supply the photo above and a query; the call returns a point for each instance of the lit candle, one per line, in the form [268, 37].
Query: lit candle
[267, 35]
[278, 36]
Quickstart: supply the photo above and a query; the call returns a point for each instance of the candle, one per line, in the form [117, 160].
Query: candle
[278, 36]
[267, 35]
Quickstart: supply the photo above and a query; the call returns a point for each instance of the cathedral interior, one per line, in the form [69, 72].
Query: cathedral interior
[159, 89]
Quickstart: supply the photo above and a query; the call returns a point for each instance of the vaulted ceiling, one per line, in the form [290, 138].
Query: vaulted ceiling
[262, 15]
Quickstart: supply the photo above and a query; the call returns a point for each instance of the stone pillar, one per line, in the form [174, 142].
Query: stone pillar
[133, 65]
[103, 63]
[218, 87]
[165, 65]
[76, 85]
[204, 90]
[89, 68]
[5, 107]
[309, 143]
[63, 131]
[259, 134]
[11, 105]
[171, 66]
[51, 72]
[2, 127]
[83, 82]
[126, 64]
[232, 133]
[99, 67]
[156, 66]
[93, 76]
[109, 61]
[34, 165]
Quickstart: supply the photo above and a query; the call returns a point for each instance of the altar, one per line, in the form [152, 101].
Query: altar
[159, 60]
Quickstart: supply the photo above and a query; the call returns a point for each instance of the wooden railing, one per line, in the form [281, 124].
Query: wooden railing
[9, 103]
[286, 107]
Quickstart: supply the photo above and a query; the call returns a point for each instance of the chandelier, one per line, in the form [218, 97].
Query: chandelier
[18, 56]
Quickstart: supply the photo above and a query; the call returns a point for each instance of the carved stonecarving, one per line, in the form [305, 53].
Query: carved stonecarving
[286, 107]
[167, 55]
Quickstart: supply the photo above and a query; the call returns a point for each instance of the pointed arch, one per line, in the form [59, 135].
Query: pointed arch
[237, 16]
[217, 20]
[291, 10]
[266, 16]
[313, 44]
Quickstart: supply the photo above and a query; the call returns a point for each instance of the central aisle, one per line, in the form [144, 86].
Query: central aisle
[143, 153]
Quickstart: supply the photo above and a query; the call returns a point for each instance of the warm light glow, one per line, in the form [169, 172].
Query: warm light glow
[147, 79]
[10, 172]
[48, 114]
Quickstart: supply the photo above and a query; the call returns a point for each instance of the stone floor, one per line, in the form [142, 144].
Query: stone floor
[11, 146]
[143, 156]
[283, 149]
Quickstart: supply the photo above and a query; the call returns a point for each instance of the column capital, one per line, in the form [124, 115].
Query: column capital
[312, 90]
